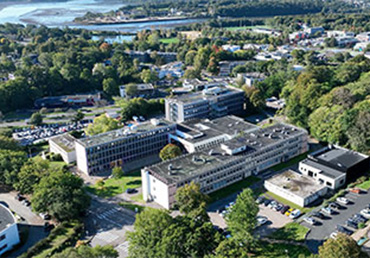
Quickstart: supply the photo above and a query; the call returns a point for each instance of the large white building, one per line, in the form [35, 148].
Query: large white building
[200, 134]
[9, 235]
[230, 162]
[102, 152]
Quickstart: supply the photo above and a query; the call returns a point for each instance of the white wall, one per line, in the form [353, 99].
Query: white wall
[81, 158]
[68, 157]
[11, 237]
[155, 190]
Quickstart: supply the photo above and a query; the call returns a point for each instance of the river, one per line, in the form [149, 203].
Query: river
[62, 13]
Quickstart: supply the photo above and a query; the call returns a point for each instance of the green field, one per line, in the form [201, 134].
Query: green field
[114, 186]
[365, 185]
[131, 206]
[289, 163]
[267, 250]
[291, 231]
[238, 186]
[169, 40]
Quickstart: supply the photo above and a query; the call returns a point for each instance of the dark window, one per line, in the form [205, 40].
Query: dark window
[328, 184]
[3, 247]
[2, 237]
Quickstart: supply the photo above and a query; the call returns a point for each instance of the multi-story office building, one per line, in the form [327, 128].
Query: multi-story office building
[333, 166]
[104, 151]
[199, 134]
[219, 167]
[212, 102]
[9, 235]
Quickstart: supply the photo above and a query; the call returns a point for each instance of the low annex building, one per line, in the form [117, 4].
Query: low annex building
[297, 188]
[65, 146]
[9, 235]
[230, 162]
[333, 166]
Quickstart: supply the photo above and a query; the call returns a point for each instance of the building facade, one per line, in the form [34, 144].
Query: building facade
[212, 102]
[9, 235]
[102, 152]
[218, 167]
[65, 146]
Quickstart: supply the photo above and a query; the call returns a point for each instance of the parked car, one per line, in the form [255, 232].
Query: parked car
[327, 210]
[342, 200]
[260, 199]
[355, 190]
[351, 224]
[295, 214]
[26, 202]
[318, 215]
[131, 190]
[360, 218]
[45, 216]
[310, 220]
[266, 202]
[278, 207]
[261, 220]
[272, 204]
[284, 209]
[288, 212]
[344, 230]
[365, 213]
[334, 235]
[19, 197]
[334, 205]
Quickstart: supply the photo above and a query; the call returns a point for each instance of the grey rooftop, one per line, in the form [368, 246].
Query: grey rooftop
[6, 218]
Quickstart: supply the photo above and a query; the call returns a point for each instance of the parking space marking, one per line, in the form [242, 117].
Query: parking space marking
[107, 236]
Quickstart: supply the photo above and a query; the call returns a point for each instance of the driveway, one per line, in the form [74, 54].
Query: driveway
[32, 222]
[276, 220]
[107, 224]
[319, 233]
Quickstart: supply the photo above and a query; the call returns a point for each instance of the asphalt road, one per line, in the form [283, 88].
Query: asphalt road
[319, 233]
[107, 223]
[32, 222]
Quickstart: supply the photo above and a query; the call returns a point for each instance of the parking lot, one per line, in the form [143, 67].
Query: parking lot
[27, 136]
[275, 221]
[325, 227]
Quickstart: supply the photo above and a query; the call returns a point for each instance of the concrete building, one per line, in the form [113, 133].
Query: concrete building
[363, 37]
[212, 102]
[102, 152]
[143, 90]
[9, 235]
[226, 67]
[200, 134]
[65, 146]
[333, 166]
[296, 188]
[218, 167]
[251, 78]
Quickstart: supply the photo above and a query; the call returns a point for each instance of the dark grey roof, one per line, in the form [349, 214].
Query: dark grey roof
[327, 171]
[341, 158]
[6, 218]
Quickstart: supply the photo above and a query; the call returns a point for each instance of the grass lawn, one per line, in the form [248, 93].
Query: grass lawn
[238, 186]
[267, 250]
[114, 186]
[247, 27]
[57, 164]
[137, 198]
[169, 40]
[286, 202]
[365, 185]
[289, 163]
[291, 231]
[131, 206]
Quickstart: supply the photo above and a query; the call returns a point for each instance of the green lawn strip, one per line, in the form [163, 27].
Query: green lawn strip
[131, 206]
[169, 40]
[289, 163]
[238, 186]
[114, 186]
[291, 231]
[365, 185]
[286, 202]
[137, 198]
[57, 164]
[267, 250]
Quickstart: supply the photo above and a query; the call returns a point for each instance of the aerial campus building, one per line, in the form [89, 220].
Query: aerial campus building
[134, 143]
[9, 235]
[230, 161]
[211, 102]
